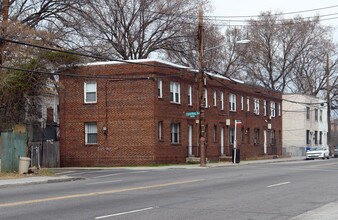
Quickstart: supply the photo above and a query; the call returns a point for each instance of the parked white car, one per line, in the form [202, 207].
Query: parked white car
[317, 152]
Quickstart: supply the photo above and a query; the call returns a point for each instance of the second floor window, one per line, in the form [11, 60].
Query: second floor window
[232, 102]
[222, 101]
[90, 92]
[175, 92]
[308, 113]
[272, 109]
[190, 95]
[265, 110]
[159, 88]
[256, 106]
[321, 115]
[215, 98]
[316, 114]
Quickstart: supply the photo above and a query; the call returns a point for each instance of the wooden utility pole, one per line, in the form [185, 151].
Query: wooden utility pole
[328, 100]
[3, 29]
[201, 87]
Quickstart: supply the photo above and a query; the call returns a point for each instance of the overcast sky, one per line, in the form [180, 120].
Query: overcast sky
[255, 7]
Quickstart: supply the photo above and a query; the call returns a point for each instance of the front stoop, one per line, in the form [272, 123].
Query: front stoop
[192, 159]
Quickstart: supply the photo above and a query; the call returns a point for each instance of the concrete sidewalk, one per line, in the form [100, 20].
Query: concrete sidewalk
[52, 179]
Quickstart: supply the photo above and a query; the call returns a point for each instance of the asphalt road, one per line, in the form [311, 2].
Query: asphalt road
[256, 191]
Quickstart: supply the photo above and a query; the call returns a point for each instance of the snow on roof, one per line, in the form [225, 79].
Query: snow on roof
[136, 61]
[162, 62]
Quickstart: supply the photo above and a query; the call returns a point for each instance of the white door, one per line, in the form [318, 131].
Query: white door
[265, 144]
[222, 141]
[190, 139]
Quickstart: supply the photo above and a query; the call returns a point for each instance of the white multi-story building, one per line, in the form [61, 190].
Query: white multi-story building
[304, 123]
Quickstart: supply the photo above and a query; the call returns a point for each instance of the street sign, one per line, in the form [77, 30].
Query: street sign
[192, 114]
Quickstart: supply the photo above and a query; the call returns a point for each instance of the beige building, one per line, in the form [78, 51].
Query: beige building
[304, 123]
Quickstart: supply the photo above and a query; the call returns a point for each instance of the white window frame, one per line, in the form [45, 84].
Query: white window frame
[279, 109]
[175, 130]
[160, 129]
[264, 107]
[256, 106]
[190, 95]
[90, 131]
[222, 100]
[206, 98]
[242, 103]
[159, 88]
[272, 109]
[86, 91]
[175, 96]
[232, 102]
[215, 98]
[248, 103]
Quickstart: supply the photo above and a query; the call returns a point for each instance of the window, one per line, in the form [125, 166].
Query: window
[321, 115]
[215, 134]
[232, 136]
[215, 98]
[190, 95]
[159, 127]
[222, 101]
[175, 133]
[320, 137]
[248, 104]
[315, 137]
[272, 137]
[91, 133]
[90, 92]
[279, 109]
[265, 110]
[316, 114]
[232, 102]
[307, 137]
[308, 113]
[256, 106]
[159, 88]
[206, 98]
[242, 103]
[175, 92]
[272, 109]
[256, 136]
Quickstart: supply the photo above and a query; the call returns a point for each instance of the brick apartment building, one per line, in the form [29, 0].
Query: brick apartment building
[138, 113]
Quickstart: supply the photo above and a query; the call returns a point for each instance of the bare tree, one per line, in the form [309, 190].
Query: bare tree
[128, 29]
[285, 54]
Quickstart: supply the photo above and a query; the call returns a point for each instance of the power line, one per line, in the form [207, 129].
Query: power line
[287, 13]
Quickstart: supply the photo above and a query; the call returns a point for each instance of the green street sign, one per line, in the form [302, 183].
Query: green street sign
[192, 114]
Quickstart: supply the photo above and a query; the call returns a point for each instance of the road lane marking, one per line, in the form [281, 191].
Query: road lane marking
[124, 213]
[278, 184]
[116, 174]
[96, 193]
[112, 181]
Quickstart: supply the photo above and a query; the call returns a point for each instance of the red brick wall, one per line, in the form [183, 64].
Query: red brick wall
[131, 110]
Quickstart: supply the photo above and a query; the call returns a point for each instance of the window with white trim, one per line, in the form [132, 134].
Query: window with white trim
[215, 98]
[206, 98]
[248, 104]
[242, 103]
[190, 95]
[272, 109]
[320, 115]
[90, 133]
[90, 92]
[160, 128]
[175, 133]
[159, 88]
[175, 93]
[231, 136]
[222, 100]
[232, 102]
[279, 109]
[256, 106]
[265, 108]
